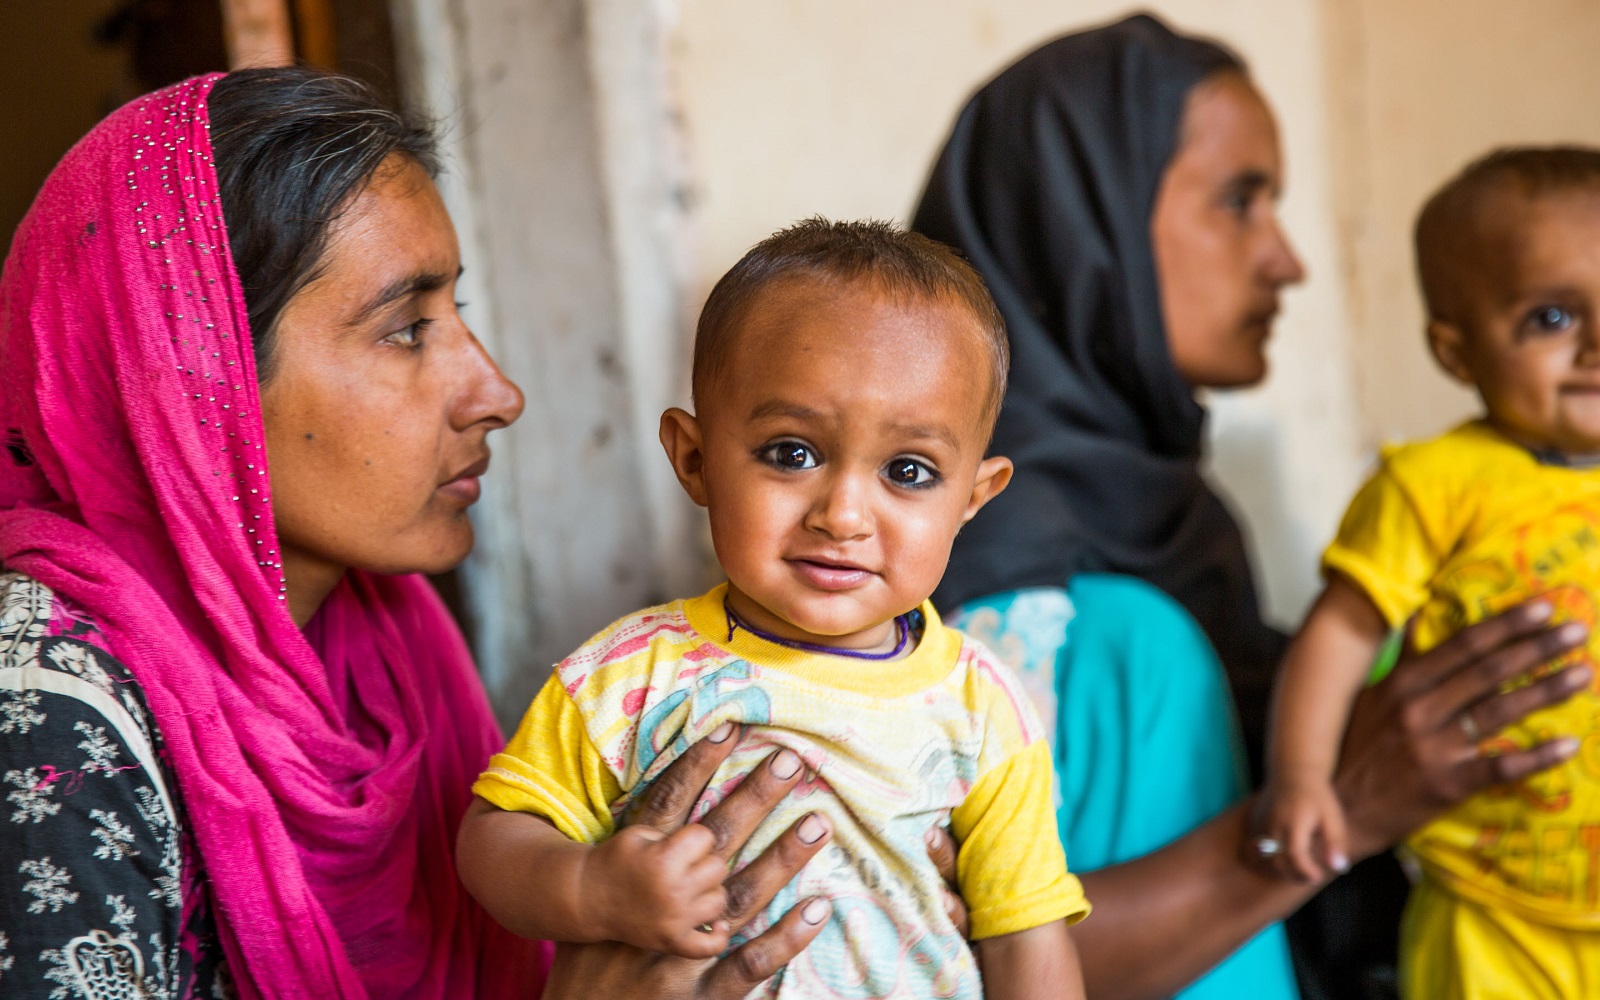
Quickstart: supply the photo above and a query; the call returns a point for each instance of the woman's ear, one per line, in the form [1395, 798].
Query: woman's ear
[680, 436]
[1449, 346]
[994, 475]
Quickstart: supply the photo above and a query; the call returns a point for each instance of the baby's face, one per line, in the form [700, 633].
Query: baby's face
[841, 448]
[1531, 343]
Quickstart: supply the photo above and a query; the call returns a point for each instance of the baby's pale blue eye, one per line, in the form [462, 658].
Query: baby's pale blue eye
[1550, 319]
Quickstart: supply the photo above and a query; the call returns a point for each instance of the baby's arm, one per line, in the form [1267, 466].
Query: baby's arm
[639, 886]
[1038, 962]
[1324, 670]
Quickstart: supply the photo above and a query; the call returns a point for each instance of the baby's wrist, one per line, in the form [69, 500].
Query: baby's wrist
[595, 911]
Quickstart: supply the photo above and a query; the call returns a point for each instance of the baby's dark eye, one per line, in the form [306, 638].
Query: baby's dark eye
[1550, 319]
[909, 472]
[788, 455]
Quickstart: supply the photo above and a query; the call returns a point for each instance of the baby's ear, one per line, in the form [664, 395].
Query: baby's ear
[1449, 346]
[994, 475]
[680, 436]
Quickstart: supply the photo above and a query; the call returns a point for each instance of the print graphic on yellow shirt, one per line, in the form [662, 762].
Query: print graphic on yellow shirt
[1455, 530]
[943, 735]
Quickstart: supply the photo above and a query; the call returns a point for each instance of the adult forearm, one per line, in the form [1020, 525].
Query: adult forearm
[1162, 920]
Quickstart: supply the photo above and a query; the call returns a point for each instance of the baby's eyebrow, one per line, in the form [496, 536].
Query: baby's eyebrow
[784, 408]
[927, 432]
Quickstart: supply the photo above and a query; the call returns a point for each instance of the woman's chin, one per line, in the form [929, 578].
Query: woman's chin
[440, 552]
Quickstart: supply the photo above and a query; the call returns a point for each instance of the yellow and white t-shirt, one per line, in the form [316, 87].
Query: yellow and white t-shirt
[945, 733]
[1455, 530]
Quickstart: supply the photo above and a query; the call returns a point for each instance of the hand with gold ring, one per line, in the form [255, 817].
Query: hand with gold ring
[1412, 746]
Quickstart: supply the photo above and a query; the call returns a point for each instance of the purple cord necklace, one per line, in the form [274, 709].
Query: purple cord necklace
[902, 624]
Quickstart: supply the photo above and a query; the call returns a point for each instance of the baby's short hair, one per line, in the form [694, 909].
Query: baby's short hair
[901, 263]
[1445, 230]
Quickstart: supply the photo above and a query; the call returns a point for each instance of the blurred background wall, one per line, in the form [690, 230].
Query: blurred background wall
[610, 158]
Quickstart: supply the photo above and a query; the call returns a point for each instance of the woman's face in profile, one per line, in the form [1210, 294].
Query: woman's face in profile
[1221, 255]
[380, 398]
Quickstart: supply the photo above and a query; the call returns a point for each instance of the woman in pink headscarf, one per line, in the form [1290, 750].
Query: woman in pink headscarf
[237, 731]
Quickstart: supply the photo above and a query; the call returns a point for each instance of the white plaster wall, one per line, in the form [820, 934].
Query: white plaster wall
[839, 107]
[557, 135]
[1425, 86]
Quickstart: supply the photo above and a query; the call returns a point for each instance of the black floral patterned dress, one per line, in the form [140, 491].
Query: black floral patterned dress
[101, 894]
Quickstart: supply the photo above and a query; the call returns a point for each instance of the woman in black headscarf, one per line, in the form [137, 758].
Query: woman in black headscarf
[1116, 188]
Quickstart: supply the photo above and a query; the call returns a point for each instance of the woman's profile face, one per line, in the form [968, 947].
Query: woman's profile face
[1221, 255]
[380, 398]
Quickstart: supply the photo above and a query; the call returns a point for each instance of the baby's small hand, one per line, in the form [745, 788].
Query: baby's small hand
[1303, 815]
[660, 893]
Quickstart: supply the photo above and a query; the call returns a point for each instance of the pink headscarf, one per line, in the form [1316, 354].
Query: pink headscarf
[323, 773]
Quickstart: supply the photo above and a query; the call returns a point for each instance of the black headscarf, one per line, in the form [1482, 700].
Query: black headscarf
[1047, 185]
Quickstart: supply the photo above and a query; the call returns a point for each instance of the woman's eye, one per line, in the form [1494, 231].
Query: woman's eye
[909, 472]
[789, 455]
[408, 337]
[1550, 319]
[1237, 202]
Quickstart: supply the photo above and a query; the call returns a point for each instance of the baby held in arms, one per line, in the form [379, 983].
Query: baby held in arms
[846, 381]
[1450, 531]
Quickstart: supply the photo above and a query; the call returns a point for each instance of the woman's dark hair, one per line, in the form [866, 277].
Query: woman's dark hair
[292, 148]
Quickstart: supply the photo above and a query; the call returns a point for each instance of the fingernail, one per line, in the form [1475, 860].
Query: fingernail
[786, 764]
[931, 837]
[1341, 864]
[816, 911]
[1540, 611]
[721, 733]
[1572, 632]
[1566, 746]
[811, 829]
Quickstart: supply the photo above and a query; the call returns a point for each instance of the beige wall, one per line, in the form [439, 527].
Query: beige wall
[1423, 87]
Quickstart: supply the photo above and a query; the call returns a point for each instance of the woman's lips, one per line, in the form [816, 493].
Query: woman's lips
[828, 575]
[465, 487]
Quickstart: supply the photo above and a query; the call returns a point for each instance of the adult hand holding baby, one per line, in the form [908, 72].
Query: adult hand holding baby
[1408, 754]
[612, 968]
[584, 970]
[1432, 712]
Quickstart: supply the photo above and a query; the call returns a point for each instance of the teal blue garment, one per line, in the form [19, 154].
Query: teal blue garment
[1146, 743]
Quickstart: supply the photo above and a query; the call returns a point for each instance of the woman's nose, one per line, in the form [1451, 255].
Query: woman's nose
[1282, 265]
[489, 396]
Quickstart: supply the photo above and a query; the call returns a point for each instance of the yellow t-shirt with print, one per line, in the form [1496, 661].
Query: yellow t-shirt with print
[1455, 530]
[942, 734]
